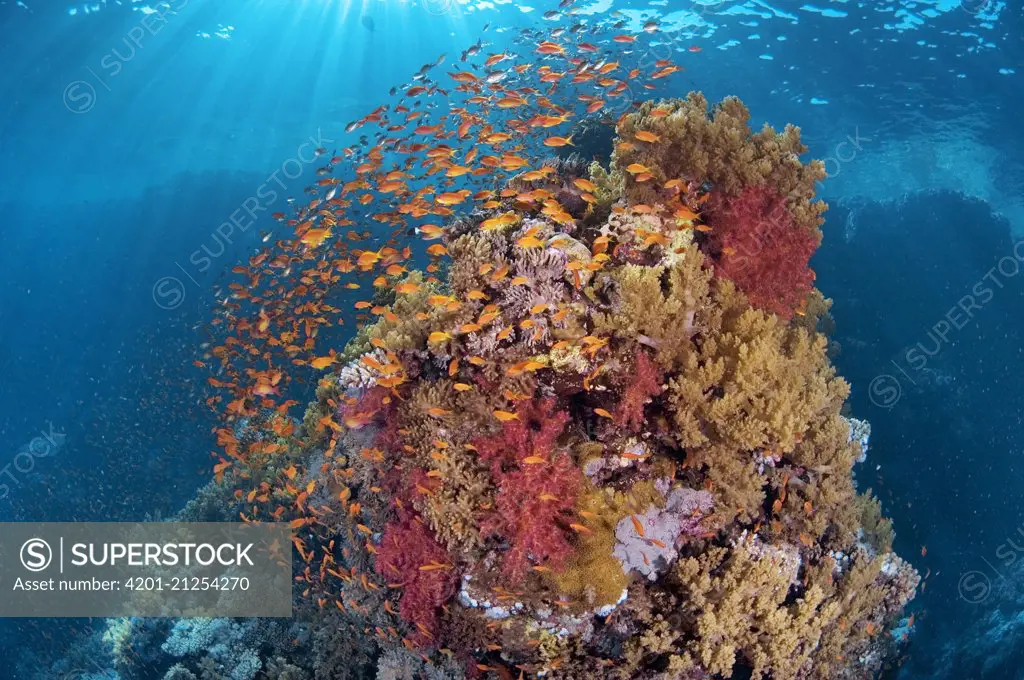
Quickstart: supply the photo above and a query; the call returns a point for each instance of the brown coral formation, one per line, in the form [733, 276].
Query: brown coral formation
[722, 151]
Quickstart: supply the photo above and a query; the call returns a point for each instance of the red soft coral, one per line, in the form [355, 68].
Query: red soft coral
[537, 488]
[646, 383]
[535, 429]
[762, 250]
[533, 506]
[407, 545]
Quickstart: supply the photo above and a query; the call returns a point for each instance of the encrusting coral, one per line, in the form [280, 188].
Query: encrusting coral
[606, 440]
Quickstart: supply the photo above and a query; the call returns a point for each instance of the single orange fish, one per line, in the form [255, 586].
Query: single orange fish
[558, 141]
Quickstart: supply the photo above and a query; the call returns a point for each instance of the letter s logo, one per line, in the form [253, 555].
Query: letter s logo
[36, 554]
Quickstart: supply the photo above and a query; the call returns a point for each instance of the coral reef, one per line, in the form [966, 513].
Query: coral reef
[604, 440]
[224, 647]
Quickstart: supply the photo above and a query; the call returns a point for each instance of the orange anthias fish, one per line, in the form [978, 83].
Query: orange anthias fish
[452, 197]
[558, 141]
[550, 48]
[449, 144]
[315, 237]
[322, 362]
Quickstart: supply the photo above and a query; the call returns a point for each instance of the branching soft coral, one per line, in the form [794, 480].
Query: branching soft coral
[662, 303]
[745, 615]
[646, 383]
[407, 546]
[762, 249]
[756, 386]
[533, 432]
[719, 149]
[537, 489]
[532, 507]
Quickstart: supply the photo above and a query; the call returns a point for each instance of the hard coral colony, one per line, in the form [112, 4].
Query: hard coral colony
[606, 441]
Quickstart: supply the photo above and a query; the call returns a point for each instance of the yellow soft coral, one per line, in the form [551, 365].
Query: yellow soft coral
[657, 304]
[593, 576]
[720, 149]
[739, 598]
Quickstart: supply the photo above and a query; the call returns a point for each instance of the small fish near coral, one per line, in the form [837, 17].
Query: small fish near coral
[587, 424]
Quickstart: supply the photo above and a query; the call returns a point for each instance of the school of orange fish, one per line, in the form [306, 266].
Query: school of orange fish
[445, 147]
[453, 143]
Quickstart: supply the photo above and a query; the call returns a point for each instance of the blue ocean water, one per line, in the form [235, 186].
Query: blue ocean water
[133, 136]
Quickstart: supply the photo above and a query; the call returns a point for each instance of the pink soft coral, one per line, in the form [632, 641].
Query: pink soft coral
[763, 251]
[537, 488]
[407, 545]
[645, 383]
